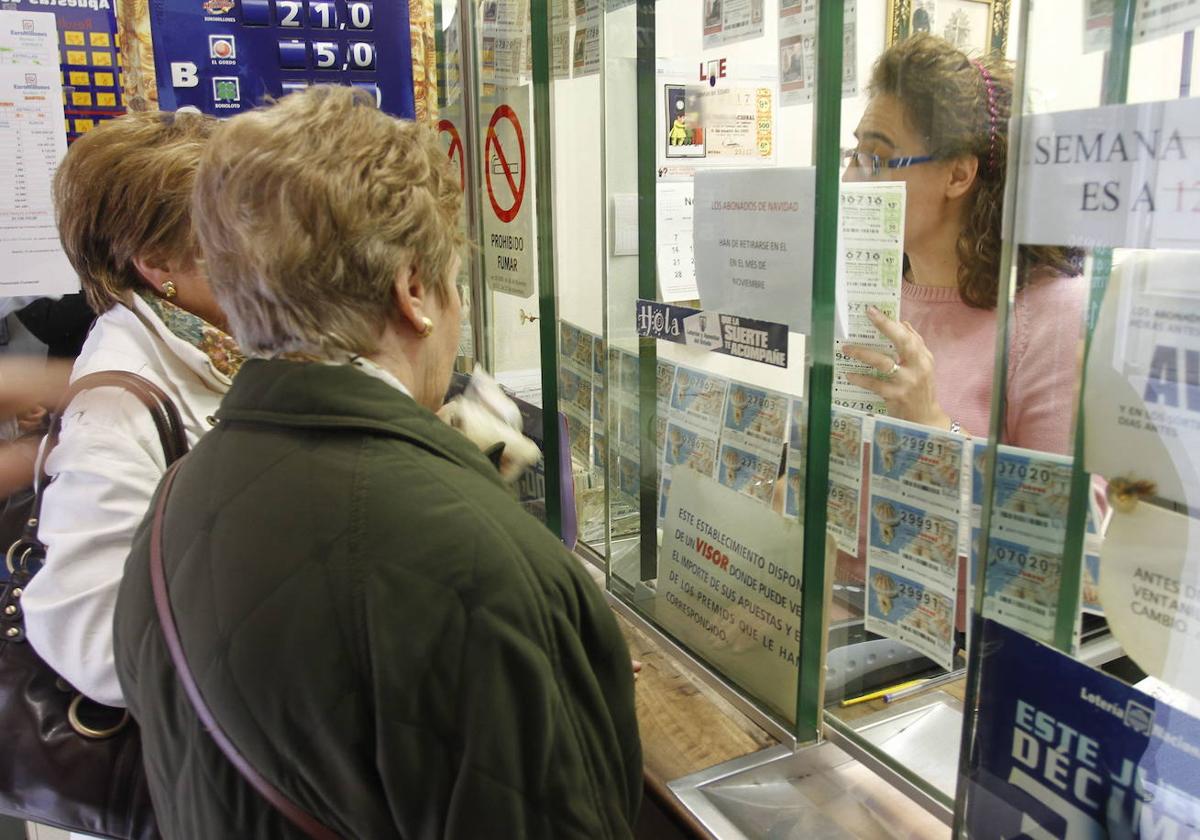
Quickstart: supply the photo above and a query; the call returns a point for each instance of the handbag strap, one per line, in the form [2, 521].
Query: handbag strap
[299, 817]
[163, 413]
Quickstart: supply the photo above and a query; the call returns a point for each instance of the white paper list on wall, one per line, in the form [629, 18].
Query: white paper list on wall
[32, 143]
[676, 258]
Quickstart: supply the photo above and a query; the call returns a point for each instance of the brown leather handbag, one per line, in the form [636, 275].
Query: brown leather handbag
[65, 760]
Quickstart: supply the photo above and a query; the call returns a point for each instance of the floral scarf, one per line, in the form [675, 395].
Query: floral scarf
[217, 345]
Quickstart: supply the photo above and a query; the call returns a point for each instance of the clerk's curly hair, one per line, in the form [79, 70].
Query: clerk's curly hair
[961, 107]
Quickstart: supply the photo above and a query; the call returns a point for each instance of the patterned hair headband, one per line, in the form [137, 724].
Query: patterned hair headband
[993, 112]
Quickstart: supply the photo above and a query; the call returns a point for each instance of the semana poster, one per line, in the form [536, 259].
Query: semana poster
[1101, 759]
[224, 57]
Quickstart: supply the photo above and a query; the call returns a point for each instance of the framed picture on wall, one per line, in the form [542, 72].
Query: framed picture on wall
[974, 26]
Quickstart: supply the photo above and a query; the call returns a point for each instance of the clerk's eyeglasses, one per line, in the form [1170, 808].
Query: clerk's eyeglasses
[872, 166]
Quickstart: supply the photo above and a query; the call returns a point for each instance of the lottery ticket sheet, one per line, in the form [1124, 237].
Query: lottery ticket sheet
[1092, 542]
[1023, 567]
[869, 271]
[730, 21]
[793, 503]
[798, 53]
[913, 612]
[915, 533]
[697, 399]
[846, 428]
[752, 436]
[576, 389]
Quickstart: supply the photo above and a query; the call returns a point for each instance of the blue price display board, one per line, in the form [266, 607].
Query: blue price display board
[226, 56]
[91, 62]
[1065, 751]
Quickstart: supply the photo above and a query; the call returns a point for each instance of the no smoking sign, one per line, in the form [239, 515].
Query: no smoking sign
[504, 151]
[508, 222]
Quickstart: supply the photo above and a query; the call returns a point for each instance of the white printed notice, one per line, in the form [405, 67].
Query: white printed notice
[32, 143]
[915, 502]
[869, 269]
[1030, 495]
[845, 477]
[729, 586]
[753, 243]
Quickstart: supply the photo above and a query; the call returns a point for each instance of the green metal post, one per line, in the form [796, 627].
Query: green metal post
[828, 131]
[647, 288]
[539, 15]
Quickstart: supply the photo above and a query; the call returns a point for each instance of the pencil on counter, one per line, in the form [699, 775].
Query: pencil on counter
[883, 692]
[900, 692]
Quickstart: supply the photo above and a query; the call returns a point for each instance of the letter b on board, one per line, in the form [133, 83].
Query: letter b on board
[183, 74]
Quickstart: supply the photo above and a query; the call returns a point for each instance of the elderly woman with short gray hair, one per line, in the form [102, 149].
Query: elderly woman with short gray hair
[381, 632]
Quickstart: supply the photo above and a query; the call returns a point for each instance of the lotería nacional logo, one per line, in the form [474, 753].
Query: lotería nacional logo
[218, 7]
[1139, 718]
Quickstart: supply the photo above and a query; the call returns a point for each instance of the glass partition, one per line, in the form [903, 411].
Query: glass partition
[493, 129]
[707, 312]
[1086, 576]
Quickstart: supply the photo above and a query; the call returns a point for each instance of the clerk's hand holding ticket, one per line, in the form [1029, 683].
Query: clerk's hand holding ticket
[905, 382]
[490, 419]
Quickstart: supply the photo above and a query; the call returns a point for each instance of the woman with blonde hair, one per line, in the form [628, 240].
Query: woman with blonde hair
[390, 646]
[938, 121]
[123, 203]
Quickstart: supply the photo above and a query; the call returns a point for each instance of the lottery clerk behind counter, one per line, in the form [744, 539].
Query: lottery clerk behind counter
[939, 122]
[370, 616]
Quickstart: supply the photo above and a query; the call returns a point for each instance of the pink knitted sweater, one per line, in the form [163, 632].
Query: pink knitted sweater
[1043, 357]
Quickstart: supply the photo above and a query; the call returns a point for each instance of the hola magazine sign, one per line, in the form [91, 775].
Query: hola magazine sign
[1064, 751]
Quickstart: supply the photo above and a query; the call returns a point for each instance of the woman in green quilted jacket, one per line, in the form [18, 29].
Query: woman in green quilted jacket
[379, 629]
